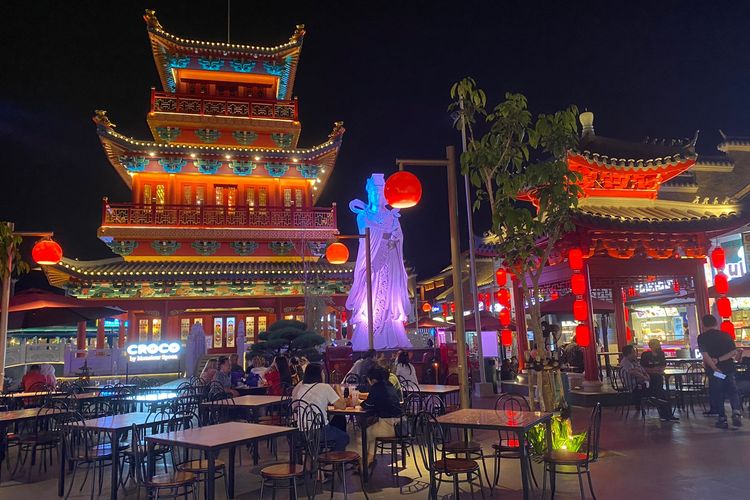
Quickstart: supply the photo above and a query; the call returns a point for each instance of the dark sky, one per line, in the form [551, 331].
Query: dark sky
[657, 68]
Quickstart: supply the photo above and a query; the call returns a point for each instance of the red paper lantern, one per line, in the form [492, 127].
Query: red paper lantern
[582, 335]
[504, 317]
[628, 334]
[445, 310]
[721, 284]
[631, 292]
[501, 277]
[554, 296]
[578, 284]
[724, 307]
[728, 327]
[627, 314]
[46, 253]
[453, 307]
[575, 259]
[337, 253]
[676, 286]
[506, 337]
[718, 258]
[580, 311]
[426, 307]
[503, 297]
[343, 316]
[402, 190]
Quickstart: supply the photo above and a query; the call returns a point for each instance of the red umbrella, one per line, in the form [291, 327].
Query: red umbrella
[565, 305]
[38, 308]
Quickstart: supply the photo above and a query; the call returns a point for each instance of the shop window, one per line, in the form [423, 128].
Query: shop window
[147, 193]
[187, 195]
[156, 330]
[250, 328]
[250, 196]
[184, 328]
[142, 330]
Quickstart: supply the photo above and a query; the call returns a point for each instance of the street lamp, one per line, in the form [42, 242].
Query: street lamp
[337, 256]
[458, 296]
[45, 252]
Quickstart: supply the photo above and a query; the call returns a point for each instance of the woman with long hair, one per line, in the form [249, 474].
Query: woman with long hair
[405, 369]
[278, 374]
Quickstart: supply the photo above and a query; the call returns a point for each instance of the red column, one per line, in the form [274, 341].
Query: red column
[591, 366]
[621, 326]
[520, 315]
[121, 334]
[100, 343]
[81, 338]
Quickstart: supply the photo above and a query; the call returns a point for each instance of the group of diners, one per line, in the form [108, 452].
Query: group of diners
[283, 372]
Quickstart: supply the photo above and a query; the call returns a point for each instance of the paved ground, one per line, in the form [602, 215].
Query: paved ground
[641, 459]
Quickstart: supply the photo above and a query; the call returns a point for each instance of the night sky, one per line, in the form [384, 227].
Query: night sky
[657, 68]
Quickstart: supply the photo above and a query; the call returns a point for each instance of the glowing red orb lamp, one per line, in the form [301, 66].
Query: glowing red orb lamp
[337, 253]
[580, 311]
[724, 307]
[46, 253]
[402, 190]
[426, 307]
[575, 259]
[501, 276]
[582, 335]
[718, 258]
[504, 317]
[503, 297]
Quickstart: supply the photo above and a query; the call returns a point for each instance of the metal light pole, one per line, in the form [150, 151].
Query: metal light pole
[6, 297]
[458, 294]
[368, 273]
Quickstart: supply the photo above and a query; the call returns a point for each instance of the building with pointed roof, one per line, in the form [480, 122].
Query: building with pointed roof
[222, 227]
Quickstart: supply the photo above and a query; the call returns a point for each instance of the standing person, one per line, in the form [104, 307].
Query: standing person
[314, 391]
[277, 375]
[719, 353]
[405, 369]
[384, 401]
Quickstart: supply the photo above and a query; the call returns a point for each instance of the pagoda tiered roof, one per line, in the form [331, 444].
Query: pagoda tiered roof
[118, 278]
[174, 55]
[129, 156]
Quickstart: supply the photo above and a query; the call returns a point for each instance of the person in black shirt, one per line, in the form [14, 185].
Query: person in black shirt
[719, 352]
[654, 361]
[383, 400]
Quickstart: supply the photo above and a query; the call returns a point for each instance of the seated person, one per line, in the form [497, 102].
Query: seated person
[278, 376]
[236, 372]
[392, 378]
[224, 378]
[405, 369]
[33, 377]
[383, 400]
[209, 372]
[654, 362]
[312, 390]
[637, 379]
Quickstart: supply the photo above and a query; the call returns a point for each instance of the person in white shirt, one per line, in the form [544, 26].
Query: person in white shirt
[312, 390]
[405, 369]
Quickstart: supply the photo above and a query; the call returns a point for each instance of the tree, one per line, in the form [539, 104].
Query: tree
[11, 264]
[518, 168]
[288, 336]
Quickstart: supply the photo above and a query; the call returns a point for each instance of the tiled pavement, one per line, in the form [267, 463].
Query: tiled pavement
[641, 459]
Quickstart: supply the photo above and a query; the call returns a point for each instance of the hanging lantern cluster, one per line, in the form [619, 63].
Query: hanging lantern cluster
[578, 287]
[502, 296]
[721, 285]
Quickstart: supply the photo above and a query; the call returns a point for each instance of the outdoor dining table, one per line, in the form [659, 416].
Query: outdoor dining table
[518, 422]
[116, 426]
[213, 438]
[361, 415]
[13, 397]
[442, 391]
[8, 418]
[677, 373]
[81, 398]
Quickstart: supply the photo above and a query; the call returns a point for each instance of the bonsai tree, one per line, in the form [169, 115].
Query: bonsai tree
[517, 164]
[288, 336]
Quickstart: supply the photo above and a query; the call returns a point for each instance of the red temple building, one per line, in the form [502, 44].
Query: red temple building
[650, 214]
[222, 227]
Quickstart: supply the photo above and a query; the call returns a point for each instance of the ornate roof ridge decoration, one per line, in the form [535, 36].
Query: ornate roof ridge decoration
[171, 51]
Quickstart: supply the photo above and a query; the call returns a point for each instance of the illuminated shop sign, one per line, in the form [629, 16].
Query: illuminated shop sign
[165, 351]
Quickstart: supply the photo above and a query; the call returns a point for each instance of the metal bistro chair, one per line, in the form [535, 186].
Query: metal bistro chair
[84, 451]
[507, 445]
[174, 484]
[199, 465]
[41, 435]
[310, 425]
[581, 461]
[691, 388]
[404, 439]
[430, 437]
[159, 421]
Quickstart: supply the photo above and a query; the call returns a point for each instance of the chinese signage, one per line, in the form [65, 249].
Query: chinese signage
[164, 351]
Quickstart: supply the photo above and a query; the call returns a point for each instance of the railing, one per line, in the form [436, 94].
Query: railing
[165, 102]
[34, 353]
[208, 216]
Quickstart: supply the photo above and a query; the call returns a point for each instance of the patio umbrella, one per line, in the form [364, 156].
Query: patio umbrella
[429, 323]
[38, 308]
[564, 305]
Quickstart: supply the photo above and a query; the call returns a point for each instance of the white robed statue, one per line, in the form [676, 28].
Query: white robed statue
[390, 296]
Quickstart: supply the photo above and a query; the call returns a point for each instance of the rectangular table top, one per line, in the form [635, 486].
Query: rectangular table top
[677, 371]
[81, 396]
[220, 435]
[152, 397]
[357, 410]
[29, 413]
[247, 401]
[493, 419]
[438, 389]
[29, 394]
[119, 422]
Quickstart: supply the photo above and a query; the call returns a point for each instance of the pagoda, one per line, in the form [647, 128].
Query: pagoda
[222, 227]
